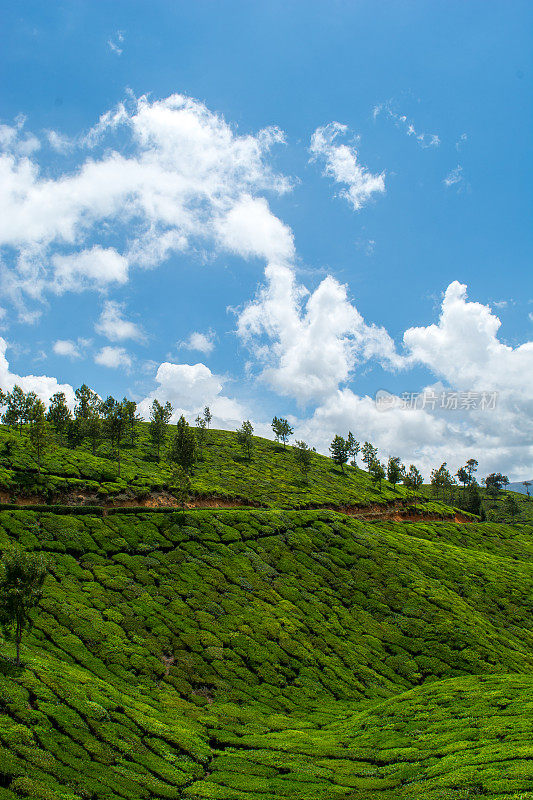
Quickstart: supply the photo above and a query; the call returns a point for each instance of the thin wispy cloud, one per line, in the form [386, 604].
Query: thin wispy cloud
[115, 43]
[454, 177]
[425, 140]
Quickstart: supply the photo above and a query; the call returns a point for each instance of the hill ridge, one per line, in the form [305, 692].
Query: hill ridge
[329, 640]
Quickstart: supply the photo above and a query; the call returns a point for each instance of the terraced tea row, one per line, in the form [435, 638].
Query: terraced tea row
[258, 654]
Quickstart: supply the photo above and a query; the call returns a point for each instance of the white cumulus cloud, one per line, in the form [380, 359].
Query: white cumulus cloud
[190, 387]
[114, 326]
[179, 176]
[43, 386]
[203, 342]
[113, 357]
[66, 347]
[309, 343]
[310, 346]
[94, 268]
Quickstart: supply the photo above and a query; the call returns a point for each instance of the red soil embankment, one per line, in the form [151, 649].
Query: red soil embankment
[396, 511]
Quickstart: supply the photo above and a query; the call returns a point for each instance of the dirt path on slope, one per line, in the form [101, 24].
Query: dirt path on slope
[396, 511]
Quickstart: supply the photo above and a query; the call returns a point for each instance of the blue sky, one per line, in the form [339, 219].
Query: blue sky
[419, 180]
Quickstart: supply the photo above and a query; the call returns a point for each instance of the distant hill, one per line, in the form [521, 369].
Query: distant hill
[518, 486]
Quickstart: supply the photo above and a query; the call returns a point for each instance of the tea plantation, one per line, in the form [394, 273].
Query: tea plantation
[266, 654]
[270, 478]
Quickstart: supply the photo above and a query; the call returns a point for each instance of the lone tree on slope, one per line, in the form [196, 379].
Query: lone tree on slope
[183, 448]
[59, 413]
[394, 470]
[471, 468]
[282, 430]
[245, 438]
[200, 434]
[303, 458]
[87, 402]
[340, 450]
[16, 403]
[463, 477]
[413, 480]
[132, 419]
[369, 453]
[354, 448]
[39, 433]
[494, 483]
[441, 480]
[159, 418]
[510, 507]
[377, 472]
[21, 589]
[114, 425]
[180, 484]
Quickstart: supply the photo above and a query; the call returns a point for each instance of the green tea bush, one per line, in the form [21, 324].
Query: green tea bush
[262, 654]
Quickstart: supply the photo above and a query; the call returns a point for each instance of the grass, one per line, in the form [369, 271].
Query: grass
[265, 654]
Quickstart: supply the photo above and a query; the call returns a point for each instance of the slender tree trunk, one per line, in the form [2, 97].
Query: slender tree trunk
[18, 636]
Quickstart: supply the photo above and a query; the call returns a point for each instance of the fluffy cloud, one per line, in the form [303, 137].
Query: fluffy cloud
[341, 163]
[113, 325]
[113, 357]
[464, 349]
[308, 344]
[182, 175]
[66, 347]
[190, 387]
[250, 229]
[92, 268]
[203, 342]
[43, 386]
[13, 139]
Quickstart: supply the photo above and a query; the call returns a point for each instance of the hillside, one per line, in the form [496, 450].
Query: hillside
[520, 488]
[260, 654]
[270, 478]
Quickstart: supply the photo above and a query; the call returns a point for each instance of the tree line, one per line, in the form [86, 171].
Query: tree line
[94, 420]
